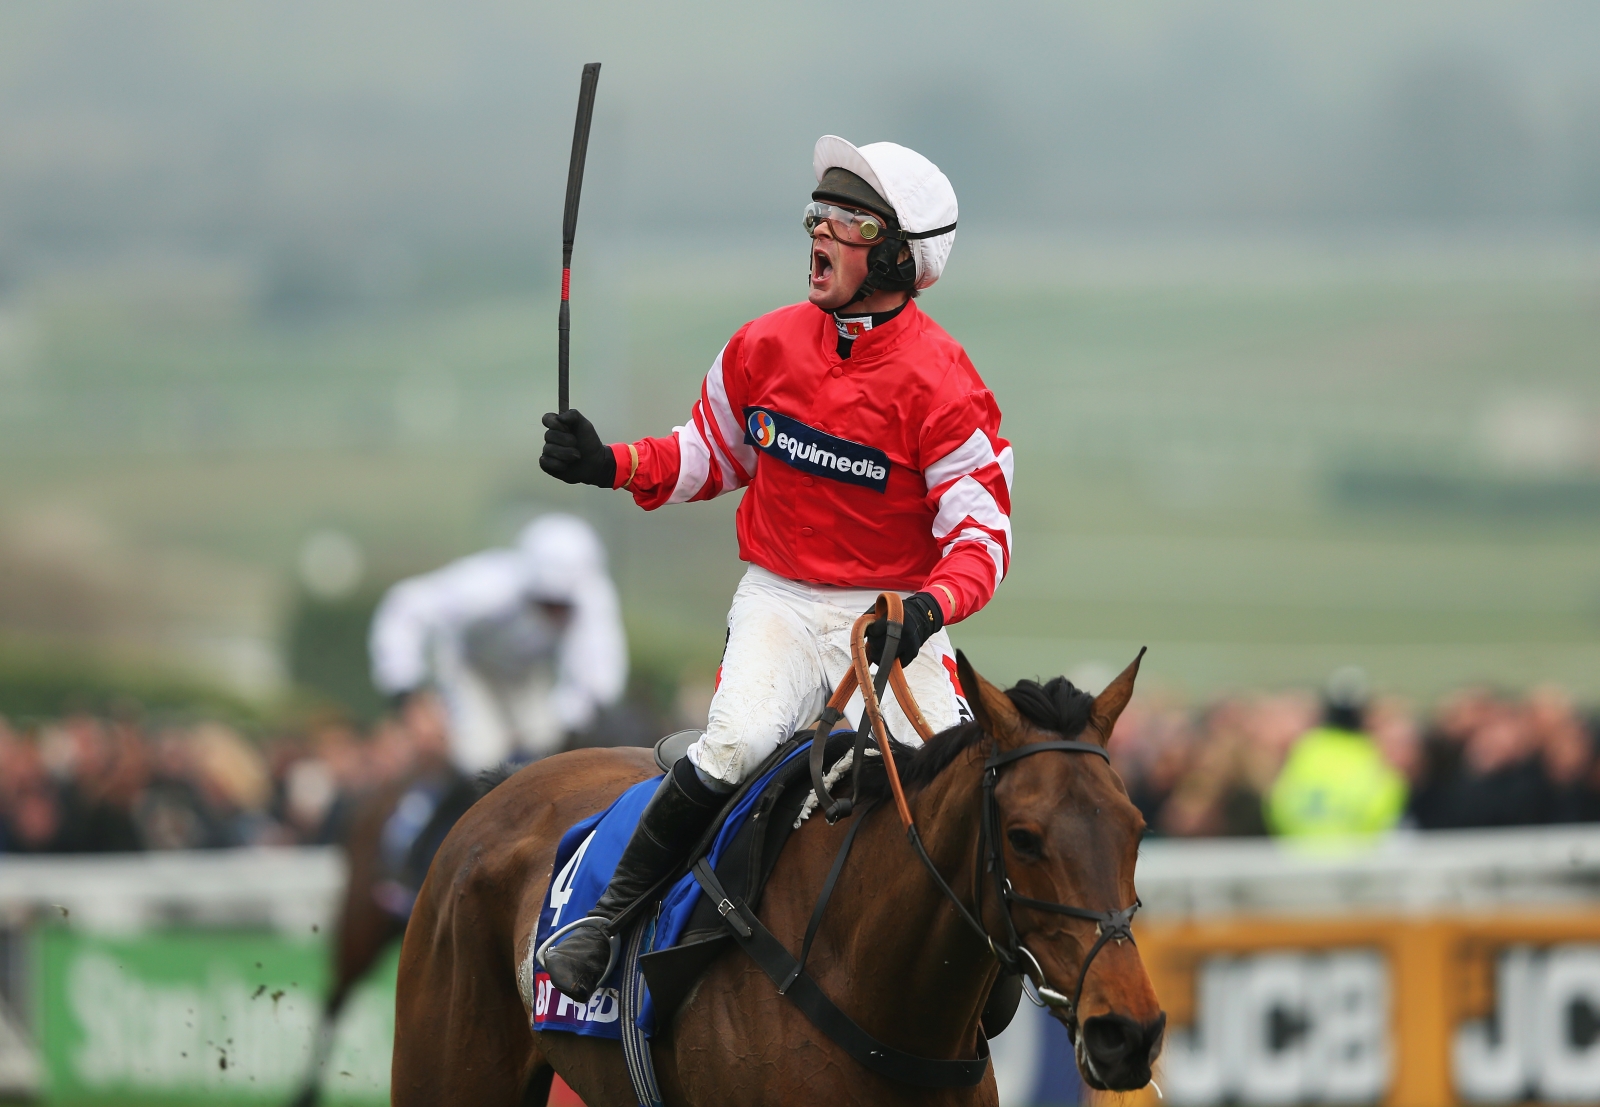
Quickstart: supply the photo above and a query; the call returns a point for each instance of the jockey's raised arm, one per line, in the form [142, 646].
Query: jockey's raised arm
[871, 457]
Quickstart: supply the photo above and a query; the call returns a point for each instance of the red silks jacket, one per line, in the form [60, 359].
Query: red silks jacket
[882, 470]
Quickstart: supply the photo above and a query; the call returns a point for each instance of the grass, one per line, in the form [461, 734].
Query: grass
[1180, 443]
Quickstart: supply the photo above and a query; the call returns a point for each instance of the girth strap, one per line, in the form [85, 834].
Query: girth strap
[763, 947]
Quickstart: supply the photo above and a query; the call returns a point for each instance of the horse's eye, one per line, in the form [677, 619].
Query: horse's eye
[1026, 843]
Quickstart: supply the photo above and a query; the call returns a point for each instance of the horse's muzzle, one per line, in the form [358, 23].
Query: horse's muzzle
[1115, 1053]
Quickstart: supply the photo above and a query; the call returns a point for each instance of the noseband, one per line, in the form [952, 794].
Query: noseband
[1109, 925]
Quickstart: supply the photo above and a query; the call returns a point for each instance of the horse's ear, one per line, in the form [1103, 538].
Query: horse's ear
[1108, 704]
[991, 708]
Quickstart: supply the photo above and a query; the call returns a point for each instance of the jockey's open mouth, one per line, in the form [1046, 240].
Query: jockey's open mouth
[821, 263]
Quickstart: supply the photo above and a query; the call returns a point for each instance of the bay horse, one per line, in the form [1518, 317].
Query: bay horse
[892, 951]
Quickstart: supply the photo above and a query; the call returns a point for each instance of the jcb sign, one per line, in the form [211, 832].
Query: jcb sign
[1541, 1040]
[1408, 1012]
[1285, 1028]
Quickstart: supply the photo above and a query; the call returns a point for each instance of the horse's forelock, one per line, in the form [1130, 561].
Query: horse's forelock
[1056, 705]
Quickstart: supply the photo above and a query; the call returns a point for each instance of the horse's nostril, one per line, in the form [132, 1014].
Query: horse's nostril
[1117, 1039]
[1111, 1038]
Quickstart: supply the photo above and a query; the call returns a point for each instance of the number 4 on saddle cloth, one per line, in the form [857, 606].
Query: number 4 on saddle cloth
[685, 933]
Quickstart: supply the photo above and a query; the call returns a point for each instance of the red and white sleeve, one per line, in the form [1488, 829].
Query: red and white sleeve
[969, 488]
[700, 460]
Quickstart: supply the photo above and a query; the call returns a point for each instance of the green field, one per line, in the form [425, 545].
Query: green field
[1262, 463]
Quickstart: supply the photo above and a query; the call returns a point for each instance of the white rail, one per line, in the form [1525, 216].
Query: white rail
[294, 889]
[1406, 871]
[291, 890]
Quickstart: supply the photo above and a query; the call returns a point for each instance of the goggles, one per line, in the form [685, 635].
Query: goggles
[853, 228]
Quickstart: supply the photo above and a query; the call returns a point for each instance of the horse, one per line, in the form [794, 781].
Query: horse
[892, 951]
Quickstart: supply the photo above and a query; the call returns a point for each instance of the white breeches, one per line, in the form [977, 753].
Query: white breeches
[492, 722]
[788, 645]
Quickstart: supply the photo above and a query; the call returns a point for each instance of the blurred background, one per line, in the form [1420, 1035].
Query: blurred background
[1293, 311]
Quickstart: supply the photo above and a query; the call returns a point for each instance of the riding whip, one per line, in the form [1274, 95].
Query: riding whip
[569, 222]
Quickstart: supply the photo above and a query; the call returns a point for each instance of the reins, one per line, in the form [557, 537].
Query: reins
[892, 609]
[1109, 925]
[788, 973]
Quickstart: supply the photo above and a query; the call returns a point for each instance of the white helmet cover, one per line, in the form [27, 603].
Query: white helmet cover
[920, 194]
[561, 554]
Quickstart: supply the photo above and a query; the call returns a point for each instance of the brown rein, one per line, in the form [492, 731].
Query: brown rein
[788, 972]
[1109, 925]
[859, 675]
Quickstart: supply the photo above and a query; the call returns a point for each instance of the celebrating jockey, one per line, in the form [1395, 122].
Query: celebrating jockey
[871, 454]
[524, 646]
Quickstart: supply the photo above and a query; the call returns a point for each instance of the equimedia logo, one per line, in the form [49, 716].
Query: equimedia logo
[816, 452]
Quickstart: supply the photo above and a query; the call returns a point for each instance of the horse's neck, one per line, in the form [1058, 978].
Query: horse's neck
[936, 970]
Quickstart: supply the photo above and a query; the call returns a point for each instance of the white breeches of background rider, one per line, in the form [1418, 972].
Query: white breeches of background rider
[788, 645]
[492, 722]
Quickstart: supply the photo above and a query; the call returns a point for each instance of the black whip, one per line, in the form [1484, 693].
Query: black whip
[569, 222]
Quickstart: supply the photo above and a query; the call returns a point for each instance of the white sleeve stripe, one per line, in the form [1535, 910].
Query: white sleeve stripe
[694, 464]
[967, 499]
[972, 455]
[728, 423]
[730, 475]
[984, 475]
[996, 554]
[1008, 462]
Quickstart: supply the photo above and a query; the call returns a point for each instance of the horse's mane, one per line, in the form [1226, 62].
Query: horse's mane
[489, 779]
[1056, 705]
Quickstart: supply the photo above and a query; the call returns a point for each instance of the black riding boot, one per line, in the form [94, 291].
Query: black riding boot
[670, 825]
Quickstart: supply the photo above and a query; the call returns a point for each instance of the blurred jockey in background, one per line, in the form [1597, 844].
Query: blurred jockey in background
[523, 647]
[1336, 783]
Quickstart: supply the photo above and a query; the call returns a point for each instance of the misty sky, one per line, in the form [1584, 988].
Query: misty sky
[347, 134]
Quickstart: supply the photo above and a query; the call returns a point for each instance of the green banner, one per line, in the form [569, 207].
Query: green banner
[203, 1017]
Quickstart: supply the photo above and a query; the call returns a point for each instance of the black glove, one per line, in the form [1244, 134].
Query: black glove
[923, 616]
[573, 451]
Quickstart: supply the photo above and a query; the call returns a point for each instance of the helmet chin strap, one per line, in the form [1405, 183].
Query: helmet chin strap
[885, 271]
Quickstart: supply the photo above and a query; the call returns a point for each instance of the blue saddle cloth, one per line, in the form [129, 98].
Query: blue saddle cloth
[585, 860]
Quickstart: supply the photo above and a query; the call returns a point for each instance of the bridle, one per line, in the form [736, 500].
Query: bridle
[1109, 925]
[1013, 955]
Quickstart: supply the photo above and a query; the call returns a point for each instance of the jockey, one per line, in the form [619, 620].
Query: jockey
[871, 455]
[524, 646]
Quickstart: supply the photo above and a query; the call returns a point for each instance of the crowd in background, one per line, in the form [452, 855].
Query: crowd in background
[86, 783]
[1480, 758]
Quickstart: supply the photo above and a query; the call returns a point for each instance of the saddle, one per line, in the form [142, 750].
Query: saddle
[743, 872]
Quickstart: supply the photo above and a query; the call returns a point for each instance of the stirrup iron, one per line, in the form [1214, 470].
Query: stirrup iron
[603, 924]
